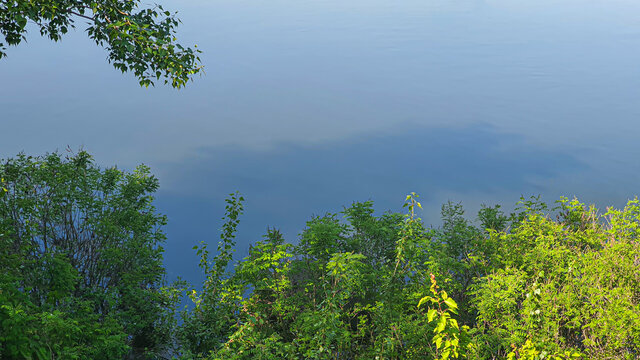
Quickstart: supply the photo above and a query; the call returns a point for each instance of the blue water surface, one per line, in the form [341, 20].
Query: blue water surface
[307, 106]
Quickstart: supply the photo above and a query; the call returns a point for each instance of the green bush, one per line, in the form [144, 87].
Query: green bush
[81, 273]
[81, 278]
[540, 283]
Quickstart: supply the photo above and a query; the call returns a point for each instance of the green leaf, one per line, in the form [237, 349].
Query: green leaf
[451, 303]
[442, 323]
[431, 314]
[423, 300]
[438, 341]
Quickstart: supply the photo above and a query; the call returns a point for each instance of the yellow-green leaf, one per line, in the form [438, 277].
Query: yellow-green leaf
[431, 314]
[451, 303]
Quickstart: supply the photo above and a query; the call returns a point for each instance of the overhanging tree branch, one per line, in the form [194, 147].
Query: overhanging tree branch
[138, 40]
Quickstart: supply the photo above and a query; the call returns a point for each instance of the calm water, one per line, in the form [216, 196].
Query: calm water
[307, 106]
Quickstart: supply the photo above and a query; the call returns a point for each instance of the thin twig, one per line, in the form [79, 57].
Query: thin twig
[81, 15]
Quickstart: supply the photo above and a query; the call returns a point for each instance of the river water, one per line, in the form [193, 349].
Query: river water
[307, 106]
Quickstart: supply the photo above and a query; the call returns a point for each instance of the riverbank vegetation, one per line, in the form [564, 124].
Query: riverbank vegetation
[81, 277]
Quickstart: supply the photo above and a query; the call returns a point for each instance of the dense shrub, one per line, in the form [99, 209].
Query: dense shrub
[80, 261]
[81, 278]
[535, 284]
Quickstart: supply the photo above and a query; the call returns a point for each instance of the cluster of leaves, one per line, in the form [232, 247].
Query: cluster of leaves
[540, 283]
[140, 40]
[80, 262]
[81, 278]
[345, 291]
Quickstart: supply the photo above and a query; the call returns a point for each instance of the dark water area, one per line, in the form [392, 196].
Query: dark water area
[307, 106]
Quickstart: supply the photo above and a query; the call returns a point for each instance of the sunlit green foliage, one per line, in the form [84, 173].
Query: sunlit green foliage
[81, 277]
[206, 326]
[139, 40]
[539, 283]
[346, 290]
